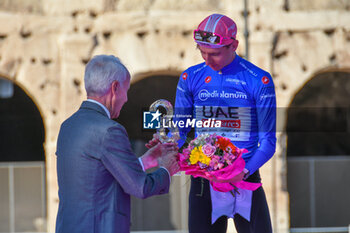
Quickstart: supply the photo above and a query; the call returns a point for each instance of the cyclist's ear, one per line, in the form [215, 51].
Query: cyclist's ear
[235, 45]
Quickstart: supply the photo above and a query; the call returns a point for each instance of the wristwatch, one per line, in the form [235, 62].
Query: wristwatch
[246, 173]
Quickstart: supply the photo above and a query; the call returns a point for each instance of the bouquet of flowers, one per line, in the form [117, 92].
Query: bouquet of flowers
[210, 156]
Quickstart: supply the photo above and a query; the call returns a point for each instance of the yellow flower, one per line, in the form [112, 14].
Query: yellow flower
[197, 155]
[204, 159]
[194, 156]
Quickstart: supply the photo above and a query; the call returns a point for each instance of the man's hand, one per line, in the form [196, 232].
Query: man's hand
[237, 178]
[150, 158]
[155, 141]
[169, 161]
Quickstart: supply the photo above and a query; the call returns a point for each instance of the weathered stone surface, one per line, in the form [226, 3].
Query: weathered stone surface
[186, 5]
[260, 48]
[279, 21]
[134, 5]
[300, 5]
[28, 6]
[75, 52]
[300, 55]
[264, 6]
[68, 7]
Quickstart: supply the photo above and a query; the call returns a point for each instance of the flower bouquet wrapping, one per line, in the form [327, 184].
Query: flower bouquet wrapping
[210, 156]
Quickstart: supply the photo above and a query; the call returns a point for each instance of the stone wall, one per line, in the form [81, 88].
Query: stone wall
[44, 46]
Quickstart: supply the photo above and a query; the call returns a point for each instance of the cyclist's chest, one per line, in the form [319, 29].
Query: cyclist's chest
[222, 90]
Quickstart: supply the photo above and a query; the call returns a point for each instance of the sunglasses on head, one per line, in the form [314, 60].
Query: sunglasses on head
[208, 37]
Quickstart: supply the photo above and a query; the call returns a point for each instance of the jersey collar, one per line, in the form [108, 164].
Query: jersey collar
[230, 66]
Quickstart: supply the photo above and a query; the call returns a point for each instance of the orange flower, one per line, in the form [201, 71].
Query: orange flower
[232, 148]
[225, 143]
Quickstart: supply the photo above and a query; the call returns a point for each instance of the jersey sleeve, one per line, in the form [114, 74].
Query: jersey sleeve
[265, 100]
[183, 105]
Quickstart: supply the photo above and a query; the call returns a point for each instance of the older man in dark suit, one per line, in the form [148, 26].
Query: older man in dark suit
[96, 167]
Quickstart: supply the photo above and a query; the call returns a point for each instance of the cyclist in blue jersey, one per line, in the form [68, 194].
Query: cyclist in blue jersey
[228, 88]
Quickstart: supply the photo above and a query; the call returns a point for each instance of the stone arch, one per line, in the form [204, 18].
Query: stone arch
[318, 151]
[26, 93]
[140, 76]
[331, 84]
[144, 90]
[23, 161]
[314, 74]
[29, 93]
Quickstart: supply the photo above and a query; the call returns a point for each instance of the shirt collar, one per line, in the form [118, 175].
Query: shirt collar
[102, 106]
[231, 65]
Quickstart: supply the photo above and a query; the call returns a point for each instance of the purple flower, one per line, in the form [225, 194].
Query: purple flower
[202, 165]
[208, 150]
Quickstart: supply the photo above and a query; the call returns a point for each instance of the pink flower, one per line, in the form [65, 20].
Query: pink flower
[208, 150]
[215, 164]
[186, 151]
[226, 156]
[219, 166]
[183, 156]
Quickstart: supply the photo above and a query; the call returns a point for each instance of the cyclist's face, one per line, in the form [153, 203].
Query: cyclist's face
[219, 57]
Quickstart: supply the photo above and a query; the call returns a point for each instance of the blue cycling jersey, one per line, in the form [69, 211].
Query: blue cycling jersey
[241, 96]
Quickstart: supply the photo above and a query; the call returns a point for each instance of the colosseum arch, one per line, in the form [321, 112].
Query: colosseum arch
[144, 90]
[22, 160]
[318, 150]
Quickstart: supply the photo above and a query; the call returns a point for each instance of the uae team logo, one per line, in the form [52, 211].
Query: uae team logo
[151, 120]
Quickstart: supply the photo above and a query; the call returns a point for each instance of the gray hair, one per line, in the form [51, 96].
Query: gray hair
[101, 72]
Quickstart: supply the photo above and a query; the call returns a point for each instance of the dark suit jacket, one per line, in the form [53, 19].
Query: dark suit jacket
[97, 172]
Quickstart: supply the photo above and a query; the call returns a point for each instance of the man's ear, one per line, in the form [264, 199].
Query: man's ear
[115, 87]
